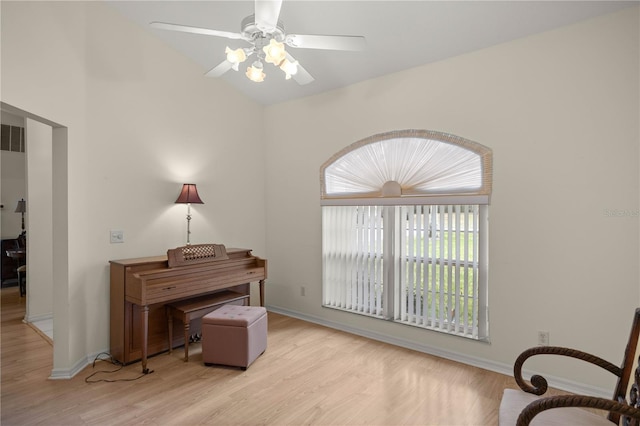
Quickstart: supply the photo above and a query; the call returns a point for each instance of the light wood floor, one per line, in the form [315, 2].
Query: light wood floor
[308, 375]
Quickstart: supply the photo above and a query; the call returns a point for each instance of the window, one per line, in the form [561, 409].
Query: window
[404, 228]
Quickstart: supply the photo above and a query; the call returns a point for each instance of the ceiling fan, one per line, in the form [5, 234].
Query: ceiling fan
[266, 35]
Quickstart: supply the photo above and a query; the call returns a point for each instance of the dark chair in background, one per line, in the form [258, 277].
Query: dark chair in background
[22, 280]
[9, 266]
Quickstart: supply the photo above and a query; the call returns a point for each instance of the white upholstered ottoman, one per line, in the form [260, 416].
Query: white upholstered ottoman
[234, 335]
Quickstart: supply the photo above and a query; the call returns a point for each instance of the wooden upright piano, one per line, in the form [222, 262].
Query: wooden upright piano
[141, 287]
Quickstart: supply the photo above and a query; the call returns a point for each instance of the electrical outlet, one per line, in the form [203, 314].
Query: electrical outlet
[303, 291]
[543, 338]
[117, 237]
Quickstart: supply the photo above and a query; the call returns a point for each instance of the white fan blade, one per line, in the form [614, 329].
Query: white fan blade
[195, 30]
[301, 77]
[220, 69]
[267, 13]
[329, 42]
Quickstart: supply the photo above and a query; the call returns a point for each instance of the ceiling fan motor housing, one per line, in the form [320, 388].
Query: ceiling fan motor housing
[251, 31]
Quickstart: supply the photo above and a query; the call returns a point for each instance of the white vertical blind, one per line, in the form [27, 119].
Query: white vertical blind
[439, 279]
[353, 258]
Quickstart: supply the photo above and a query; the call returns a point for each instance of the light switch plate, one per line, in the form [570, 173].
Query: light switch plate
[117, 237]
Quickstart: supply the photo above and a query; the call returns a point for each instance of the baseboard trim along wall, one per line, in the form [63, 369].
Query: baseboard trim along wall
[36, 318]
[506, 369]
[69, 373]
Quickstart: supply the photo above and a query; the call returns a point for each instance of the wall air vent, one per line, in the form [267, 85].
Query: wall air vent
[12, 138]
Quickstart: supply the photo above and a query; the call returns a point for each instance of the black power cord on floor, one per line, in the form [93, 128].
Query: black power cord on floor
[113, 362]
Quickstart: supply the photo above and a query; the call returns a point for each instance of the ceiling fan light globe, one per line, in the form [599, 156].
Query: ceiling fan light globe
[289, 68]
[274, 52]
[255, 73]
[235, 56]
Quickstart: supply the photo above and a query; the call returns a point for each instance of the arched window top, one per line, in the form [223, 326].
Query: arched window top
[408, 167]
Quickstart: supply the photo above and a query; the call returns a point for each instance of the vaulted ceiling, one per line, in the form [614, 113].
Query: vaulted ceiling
[399, 34]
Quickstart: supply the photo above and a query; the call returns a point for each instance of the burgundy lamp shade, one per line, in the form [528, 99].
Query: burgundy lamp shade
[189, 194]
[22, 206]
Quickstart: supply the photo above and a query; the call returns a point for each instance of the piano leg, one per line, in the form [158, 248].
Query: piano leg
[186, 339]
[145, 338]
[169, 315]
[261, 282]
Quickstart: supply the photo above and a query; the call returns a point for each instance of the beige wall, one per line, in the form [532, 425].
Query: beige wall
[561, 112]
[141, 121]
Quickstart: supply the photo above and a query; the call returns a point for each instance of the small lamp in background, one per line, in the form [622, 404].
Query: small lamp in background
[189, 195]
[22, 208]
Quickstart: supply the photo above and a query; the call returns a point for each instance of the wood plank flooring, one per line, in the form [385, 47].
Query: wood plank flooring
[309, 375]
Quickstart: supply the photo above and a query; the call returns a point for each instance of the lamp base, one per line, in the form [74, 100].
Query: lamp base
[189, 224]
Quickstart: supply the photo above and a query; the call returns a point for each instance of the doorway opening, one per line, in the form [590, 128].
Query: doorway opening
[46, 226]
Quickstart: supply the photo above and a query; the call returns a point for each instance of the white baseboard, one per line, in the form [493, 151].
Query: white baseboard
[69, 373]
[506, 369]
[34, 318]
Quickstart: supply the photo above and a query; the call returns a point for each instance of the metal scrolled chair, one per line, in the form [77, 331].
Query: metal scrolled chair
[529, 407]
